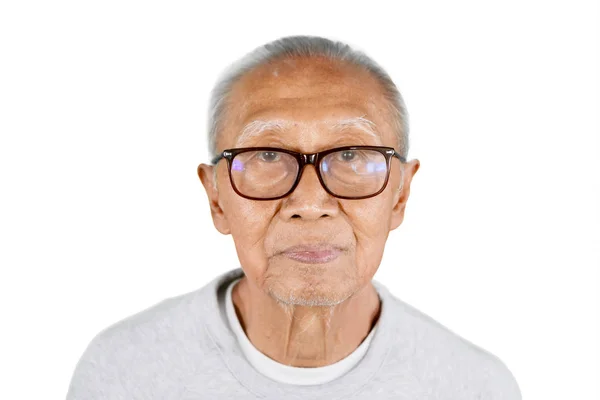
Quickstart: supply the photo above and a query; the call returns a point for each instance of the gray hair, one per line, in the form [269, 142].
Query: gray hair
[305, 46]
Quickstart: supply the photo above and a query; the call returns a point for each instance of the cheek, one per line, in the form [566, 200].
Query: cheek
[370, 222]
[371, 217]
[249, 223]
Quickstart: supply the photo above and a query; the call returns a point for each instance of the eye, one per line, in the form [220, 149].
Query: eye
[347, 155]
[268, 156]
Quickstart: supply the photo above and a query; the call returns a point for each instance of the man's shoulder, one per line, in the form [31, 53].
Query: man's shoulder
[171, 318]
[437, 350]
[143, 345]
[153, 322]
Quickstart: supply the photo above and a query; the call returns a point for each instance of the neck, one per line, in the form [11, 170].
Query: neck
[302, 336]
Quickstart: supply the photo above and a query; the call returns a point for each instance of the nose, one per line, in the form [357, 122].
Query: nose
[309, 201]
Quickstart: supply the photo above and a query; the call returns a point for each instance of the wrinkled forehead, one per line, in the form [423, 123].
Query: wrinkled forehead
[307, 96]
[258, 127]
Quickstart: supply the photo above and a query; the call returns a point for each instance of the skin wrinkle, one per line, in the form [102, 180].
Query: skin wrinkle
[307, 315]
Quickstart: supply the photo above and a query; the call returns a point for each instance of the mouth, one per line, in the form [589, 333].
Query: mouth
[312, 254]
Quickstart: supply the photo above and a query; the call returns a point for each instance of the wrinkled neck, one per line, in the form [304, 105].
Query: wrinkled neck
[304, 336]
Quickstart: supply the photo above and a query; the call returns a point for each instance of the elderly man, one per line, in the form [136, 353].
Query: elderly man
[309, 176]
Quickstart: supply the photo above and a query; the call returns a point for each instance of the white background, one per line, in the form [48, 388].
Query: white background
[103, 122]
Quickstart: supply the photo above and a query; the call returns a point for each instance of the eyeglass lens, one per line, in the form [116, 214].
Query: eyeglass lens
[346, 173]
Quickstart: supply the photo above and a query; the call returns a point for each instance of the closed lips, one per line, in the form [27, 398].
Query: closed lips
[312, 254]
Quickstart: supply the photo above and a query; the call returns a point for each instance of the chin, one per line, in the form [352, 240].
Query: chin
[310, 285]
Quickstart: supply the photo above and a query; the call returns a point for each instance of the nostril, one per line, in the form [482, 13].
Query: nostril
[298, 216]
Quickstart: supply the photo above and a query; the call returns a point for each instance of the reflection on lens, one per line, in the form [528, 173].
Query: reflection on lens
[237, 165]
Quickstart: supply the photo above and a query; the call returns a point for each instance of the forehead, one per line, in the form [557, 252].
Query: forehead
[306, 102]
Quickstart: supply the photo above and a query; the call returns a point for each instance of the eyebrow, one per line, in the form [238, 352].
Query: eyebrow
[361, 123]
[256, 127]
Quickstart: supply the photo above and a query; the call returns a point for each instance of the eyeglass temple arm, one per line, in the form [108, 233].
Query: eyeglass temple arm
[216, 159]
[399, 157]
[224, 154]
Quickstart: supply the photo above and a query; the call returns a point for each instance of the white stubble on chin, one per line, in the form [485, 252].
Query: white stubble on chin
[294, 283]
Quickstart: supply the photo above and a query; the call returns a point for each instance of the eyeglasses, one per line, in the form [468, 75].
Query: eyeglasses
[270, 173]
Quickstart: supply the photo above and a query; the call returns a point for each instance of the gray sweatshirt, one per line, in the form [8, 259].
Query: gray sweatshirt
[182, 348]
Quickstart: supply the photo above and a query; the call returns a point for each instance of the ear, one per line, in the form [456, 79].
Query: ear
[401, 197]
[205, 173]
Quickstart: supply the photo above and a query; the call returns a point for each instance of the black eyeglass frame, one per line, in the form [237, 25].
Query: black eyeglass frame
[309, 158]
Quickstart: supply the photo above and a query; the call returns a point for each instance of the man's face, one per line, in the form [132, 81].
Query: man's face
[317, 105]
